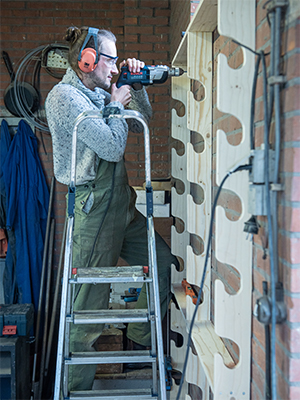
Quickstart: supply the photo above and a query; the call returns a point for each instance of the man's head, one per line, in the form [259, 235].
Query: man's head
[107, 56]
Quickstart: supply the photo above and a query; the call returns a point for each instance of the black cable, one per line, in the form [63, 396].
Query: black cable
[240, 168]
[245, 47]
[270, 232]
[253, 94]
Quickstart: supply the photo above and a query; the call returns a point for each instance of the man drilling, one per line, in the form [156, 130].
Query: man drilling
[107, 224]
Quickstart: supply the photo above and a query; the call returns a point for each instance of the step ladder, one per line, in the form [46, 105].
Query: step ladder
[73, 276]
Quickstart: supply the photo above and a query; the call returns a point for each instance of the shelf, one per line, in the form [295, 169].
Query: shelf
[207, 344]
[204, 20]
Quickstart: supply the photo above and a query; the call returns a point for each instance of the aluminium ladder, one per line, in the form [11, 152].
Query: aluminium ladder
[94, 275]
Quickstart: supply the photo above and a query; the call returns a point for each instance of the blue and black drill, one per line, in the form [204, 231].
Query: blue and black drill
[148, 75]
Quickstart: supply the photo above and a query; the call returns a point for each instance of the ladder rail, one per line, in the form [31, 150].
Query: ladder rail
[63, 310]
[110, 112]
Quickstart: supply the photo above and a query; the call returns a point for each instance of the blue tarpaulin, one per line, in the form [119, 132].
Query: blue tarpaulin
[27, 201]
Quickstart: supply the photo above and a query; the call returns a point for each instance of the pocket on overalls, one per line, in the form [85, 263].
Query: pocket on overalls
[88, 203]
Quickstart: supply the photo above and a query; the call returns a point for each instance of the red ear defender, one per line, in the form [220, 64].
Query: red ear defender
[88, 57]
[87, 62]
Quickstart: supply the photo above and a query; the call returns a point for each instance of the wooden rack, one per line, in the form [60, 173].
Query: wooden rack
[213, 365]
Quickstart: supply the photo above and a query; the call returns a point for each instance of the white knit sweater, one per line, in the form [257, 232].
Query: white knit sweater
[97, 138]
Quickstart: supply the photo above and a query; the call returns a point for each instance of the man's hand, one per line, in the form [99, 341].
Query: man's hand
[122, 94]
[134, 65]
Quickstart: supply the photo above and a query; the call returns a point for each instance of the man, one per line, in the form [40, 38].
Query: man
[107, 225]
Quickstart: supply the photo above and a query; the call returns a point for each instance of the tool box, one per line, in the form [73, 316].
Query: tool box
[16, 319]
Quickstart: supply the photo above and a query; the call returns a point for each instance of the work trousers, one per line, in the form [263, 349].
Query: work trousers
[110, 202]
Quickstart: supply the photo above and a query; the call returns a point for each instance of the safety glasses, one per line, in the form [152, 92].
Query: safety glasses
[112, 60]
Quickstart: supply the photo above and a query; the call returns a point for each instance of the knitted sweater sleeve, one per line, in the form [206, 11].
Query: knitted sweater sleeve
[105, 138]
[139, 102]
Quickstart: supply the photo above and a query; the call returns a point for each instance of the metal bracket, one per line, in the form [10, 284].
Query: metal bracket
[277, 3]
[279, 79]
[277, 187]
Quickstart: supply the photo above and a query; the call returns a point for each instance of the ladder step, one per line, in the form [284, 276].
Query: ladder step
[108, 316]
[110, 274]
[110, 357]
[120, 394]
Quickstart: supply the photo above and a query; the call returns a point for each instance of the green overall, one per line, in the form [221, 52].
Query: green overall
[123, 234]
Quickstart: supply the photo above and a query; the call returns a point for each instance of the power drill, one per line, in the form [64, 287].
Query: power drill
[148, 75]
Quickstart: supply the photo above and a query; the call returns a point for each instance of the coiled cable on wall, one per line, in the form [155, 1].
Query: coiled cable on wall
[33, 60]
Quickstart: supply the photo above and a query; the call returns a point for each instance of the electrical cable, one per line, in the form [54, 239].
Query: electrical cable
[253, 94]
[270, 232]
[239, 168]
[39, 56]
[19, 95]
[271, 203]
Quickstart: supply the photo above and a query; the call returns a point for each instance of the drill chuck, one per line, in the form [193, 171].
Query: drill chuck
[176, 71]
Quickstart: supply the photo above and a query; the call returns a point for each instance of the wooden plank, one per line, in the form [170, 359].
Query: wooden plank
[236, 19]
[207, 344]
[179, 241]
[204, 20]
[194, 371]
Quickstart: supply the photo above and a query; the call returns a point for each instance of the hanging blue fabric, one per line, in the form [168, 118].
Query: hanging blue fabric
[26, 211]
[10, 259]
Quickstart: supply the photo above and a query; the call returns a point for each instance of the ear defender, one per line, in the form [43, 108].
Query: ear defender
[88, 57]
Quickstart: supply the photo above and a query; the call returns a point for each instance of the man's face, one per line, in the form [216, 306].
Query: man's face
[103, 74]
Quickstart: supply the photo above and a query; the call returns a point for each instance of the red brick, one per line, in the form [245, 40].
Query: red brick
[294, 393]
[291, 99]
[294, 370]
[289, 249]
[130, 38]
[292, 279]
[146, 30]
[158, 12]
[293, 308]
[130, 20]
[154, 3]
[8, 4]
[153, 38]
[258, 377]
[130, 3]
[262, 35]
[289, 218]
[158, 21]
[139, 12]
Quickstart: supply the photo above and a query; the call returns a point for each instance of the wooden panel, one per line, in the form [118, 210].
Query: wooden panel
[199, 165]
[180, 241]
[236, 19]
[207, 344]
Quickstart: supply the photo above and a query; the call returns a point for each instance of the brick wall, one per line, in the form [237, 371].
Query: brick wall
[142, 30]
[287, 339]
[287, 334]
[146, 36]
